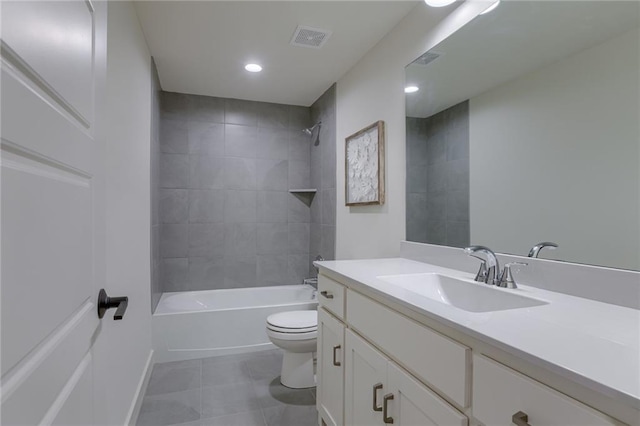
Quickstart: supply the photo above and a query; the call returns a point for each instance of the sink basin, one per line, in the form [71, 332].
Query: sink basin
[466, 295]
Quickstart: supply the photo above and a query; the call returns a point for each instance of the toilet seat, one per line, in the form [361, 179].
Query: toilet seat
[294, 322]
[311, 335]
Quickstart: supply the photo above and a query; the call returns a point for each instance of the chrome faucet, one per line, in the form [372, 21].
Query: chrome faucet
[535, 250]
[490, 269]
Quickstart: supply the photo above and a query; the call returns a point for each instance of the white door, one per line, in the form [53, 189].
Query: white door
[53, 76]
[330, 401]
[413, 404]
[365, 382]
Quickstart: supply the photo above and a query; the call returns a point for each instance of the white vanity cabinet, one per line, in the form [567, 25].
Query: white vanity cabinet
[359, 385]
[330, 369]
[501, 394]
[378, 392]
[378, 364]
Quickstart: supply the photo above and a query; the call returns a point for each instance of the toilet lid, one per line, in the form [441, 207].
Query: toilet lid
[294, 321]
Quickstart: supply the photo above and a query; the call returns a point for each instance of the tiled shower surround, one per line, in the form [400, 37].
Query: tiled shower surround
[323, 177]
[438, 177]
[227, 217]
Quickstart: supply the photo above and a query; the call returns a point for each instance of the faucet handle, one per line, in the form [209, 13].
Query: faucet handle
[506, 279]
[481, 276]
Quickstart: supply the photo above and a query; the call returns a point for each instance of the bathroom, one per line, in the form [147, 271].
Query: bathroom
[242, 284]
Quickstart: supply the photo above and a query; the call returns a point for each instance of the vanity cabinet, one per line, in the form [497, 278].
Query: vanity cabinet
[378, 366]
[379, 392]
[330, 369]
[501, 394]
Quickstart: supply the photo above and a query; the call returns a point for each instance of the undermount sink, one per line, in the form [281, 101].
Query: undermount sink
[466, 295]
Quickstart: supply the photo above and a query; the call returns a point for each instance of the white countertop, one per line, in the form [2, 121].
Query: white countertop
[592, 343]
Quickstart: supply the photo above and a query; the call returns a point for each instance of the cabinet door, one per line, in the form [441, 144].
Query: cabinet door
[365, 382]
[413, 404]
[330, 377]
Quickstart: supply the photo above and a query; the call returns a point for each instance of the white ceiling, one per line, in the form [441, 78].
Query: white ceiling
[201, 47]
[516, 38]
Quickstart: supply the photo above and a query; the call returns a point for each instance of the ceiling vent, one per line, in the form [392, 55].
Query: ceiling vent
[310, 37]
[426, 58]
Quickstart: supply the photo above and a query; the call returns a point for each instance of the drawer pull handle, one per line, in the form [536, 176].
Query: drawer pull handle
[376, 388]
[326, 294]
[385, 408]
[335, 361]
[520, 419]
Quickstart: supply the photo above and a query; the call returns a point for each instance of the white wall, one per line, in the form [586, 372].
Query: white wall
[373, 90]
[128, 206]
[565, 140]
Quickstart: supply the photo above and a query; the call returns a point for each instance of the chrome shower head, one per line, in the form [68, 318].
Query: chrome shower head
[309, 131]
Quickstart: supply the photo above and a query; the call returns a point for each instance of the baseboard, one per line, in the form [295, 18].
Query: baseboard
[132, 416]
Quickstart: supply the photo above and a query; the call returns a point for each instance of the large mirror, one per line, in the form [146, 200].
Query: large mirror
[526, 128]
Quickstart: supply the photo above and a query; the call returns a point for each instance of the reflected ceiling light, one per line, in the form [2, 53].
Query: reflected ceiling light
[439, 3]
[490, 8]
[253, 67]
[411, 89]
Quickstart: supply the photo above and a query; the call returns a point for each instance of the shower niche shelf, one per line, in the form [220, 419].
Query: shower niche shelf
[303, 191]
[304, 194]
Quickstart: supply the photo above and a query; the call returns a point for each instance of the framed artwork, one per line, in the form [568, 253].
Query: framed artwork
[364, 166]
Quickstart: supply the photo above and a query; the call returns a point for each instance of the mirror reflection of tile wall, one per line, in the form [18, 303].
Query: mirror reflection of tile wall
[438, 177]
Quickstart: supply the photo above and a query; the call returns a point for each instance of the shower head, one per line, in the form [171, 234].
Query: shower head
[309, 131]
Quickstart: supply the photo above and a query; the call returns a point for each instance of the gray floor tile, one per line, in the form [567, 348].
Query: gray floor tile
[216, 373]
[174, 377]
[170, 409]
[272, 393]
[228, 399]
[237, 390]
[289, 415]
[266, 367]
[250, 418]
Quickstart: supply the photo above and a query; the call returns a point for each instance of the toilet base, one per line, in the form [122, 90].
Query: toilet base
[297, 370]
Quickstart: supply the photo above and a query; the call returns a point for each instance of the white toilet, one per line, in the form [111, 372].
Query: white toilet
[296, 332]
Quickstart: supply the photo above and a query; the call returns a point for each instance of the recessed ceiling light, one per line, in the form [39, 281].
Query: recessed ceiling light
[253, 67]
[439, 3]
[411, 89]
[490, 8]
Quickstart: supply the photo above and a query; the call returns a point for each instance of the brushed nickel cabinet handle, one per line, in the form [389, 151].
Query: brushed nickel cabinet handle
[376, 388]
[326, 294]
[520, 419]
[385, 408]
[335, 361]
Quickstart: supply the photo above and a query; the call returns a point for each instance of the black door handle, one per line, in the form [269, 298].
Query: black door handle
[105, 302]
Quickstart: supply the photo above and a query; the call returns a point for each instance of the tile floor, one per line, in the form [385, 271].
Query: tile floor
[234, 390]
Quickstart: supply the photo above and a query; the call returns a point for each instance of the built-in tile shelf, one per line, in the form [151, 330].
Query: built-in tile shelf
[304, 194]
[303, 191]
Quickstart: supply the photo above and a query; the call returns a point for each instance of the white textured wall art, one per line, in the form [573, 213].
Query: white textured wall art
[365, 166]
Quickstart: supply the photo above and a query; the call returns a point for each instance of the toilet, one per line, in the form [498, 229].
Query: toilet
[296, 333]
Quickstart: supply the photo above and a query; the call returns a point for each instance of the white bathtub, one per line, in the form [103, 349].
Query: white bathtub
[199, 324]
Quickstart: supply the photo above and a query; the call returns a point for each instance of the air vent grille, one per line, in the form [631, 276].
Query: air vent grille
[426, 58]
[310, 37]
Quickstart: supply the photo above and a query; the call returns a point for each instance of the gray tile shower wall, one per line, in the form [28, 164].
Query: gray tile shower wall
[438, 177]
[156, 289]
[323, 178]
[227, 218]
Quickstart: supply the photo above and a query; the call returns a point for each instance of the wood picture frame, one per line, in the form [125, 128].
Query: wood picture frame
[364, 166]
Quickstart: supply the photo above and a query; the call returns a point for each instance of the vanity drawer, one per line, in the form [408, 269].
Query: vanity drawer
[441, 362]
[331, 295]
[500, 392]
